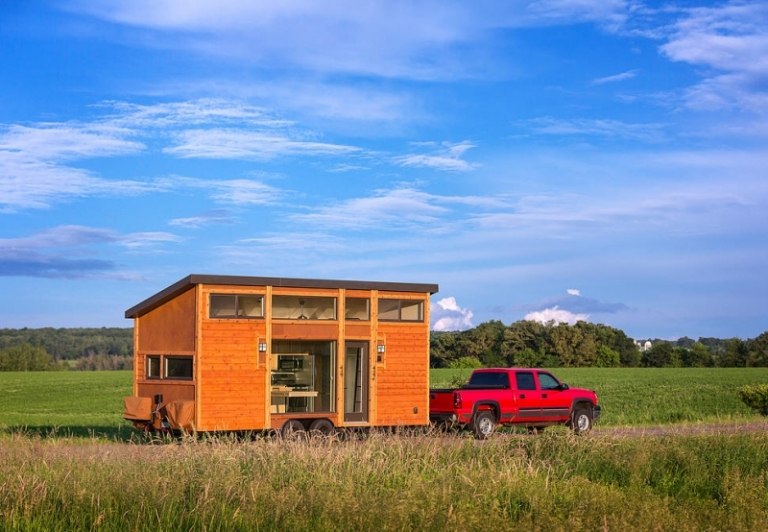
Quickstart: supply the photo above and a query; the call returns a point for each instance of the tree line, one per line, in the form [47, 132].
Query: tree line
[66, 348]
[522, 343]
[530, 343]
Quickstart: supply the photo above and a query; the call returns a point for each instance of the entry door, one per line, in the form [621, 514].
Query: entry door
[356, 382]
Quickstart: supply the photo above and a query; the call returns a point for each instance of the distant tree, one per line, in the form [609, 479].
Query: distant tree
[758, 351]
[443, 348]
[697, 356]
[607, 358]
[25, 357]
[661, 355]
[736, 354]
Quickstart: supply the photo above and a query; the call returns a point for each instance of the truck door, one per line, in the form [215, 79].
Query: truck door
[555, 402]
[528, 397]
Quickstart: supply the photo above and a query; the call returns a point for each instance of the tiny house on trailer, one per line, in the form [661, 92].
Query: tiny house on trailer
[232, 353]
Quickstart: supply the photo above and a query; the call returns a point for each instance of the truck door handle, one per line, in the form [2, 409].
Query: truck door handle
[543, 396]
[522, 396]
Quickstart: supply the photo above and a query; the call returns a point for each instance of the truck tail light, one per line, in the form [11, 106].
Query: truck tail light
[456, 400]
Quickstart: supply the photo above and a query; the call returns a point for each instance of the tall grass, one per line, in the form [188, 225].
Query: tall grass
[389, 482]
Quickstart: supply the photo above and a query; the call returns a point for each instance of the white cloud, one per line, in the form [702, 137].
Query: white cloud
[447, 315]
[732, 41]
[443, 40]
[647, 132]
[447, 156]
[629, 74]
[241, 144]
[574, 292]
[556, 315]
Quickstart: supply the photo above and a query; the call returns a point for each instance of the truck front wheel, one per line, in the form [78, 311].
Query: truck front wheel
[581, 420]
[484, 424]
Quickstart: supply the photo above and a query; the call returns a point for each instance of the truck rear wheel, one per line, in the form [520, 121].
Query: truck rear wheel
[581, 420]
[484, 424]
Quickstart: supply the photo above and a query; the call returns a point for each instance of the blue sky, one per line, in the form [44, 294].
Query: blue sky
[557, 159]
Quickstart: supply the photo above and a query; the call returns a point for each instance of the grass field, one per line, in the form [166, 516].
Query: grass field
[90, 403]
[68, 462]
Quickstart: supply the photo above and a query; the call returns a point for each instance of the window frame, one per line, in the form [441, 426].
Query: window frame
[162, 367]
[238, 315]
[367, 308]
[418, 302]
[302, 307]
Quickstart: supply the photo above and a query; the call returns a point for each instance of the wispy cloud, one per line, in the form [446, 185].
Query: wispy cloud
[731, 40]
[216, 217]
[588, 127]
[445, 156]
[62, 252]
[629, 74]
[241, 144]
[443, 40]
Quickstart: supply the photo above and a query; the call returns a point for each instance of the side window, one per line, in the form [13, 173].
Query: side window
[548, 382]
[170, 367]
[357, 308]
[178, 368]
[401, 310]
[236, 306]
[525, 381]
[303, 308]
[153, 366]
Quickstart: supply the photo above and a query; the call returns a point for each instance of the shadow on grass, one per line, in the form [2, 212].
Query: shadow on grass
[120, 434]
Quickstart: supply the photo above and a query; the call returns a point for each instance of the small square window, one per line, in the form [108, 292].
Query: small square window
[178, 367]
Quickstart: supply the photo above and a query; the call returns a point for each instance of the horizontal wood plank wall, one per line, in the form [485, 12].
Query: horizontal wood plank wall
[170, 327]
[403, 380]
[231, 380]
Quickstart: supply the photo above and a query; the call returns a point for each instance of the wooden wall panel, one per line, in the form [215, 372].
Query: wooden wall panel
[170, 327]
[402, 385]
[232, 392]
[304, 330]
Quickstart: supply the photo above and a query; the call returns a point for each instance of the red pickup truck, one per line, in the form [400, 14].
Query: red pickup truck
[533, 398]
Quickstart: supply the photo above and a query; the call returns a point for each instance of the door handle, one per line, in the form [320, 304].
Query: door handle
[543, 396]
[522, 396]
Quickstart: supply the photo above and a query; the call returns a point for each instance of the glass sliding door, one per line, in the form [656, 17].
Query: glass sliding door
[356, 382]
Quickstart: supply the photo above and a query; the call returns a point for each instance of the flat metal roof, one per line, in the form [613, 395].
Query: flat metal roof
[237, 280]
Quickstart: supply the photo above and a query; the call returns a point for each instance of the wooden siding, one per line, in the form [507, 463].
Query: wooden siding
[402, 380]
[170, 327]
[232, 377]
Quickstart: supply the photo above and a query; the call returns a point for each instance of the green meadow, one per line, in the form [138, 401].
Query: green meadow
[68, 462]
[90, 403]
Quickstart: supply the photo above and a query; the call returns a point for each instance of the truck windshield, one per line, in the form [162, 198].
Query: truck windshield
[488, 380]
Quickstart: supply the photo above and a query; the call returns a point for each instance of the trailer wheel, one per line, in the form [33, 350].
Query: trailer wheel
[581, 421]
[322, 427]
[292, 429]
[484, 424]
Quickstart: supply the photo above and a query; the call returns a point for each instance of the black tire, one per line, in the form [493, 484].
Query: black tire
[581, 420]
[484, 424]
[322, 427]
[292, 429]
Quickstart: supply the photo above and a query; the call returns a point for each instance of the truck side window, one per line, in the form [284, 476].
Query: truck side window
[525, 381]
[548, 382]
[489, 380]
